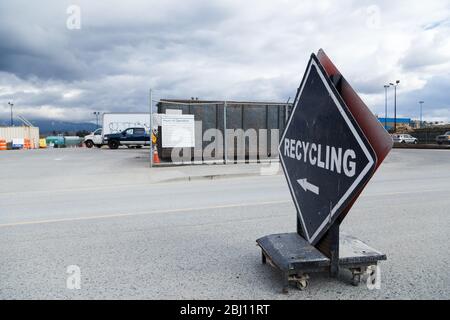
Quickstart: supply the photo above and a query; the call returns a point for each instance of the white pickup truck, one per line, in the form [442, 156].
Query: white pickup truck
[94, 139]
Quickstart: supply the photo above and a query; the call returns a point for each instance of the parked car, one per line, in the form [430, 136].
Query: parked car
[404, 138]
[94, 139]
[445, 138]
[131, 137]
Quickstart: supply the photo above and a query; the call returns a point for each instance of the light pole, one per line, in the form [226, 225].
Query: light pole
[151, 126]
[421, 104]
[386, 87]
[96, 113]
[11, 105]
[395, 103]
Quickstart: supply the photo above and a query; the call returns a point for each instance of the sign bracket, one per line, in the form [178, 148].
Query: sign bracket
[329, 246]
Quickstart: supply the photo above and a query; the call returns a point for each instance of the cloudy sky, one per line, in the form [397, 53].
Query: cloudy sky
[217, 49]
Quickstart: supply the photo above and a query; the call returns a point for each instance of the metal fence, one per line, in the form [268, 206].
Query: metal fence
[230, 130]
[428, 135]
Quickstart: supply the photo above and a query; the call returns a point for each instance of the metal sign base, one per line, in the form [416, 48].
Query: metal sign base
[295, 258]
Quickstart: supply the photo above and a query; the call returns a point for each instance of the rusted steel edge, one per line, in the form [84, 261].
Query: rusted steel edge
[378, 137]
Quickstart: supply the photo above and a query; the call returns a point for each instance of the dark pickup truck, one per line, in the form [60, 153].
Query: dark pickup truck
[131, 137]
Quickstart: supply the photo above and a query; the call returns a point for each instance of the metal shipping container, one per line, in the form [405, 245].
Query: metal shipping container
[240, 115]
[10, 133]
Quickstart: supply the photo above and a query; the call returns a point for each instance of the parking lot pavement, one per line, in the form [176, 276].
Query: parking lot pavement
[57, 169]
[133, 238]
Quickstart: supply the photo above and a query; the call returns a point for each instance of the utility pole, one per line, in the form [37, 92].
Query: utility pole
[11, 105]
[386, 87]
[225, 142]
[421, 104]
[395, 103]
[96, 113]
[151, 128]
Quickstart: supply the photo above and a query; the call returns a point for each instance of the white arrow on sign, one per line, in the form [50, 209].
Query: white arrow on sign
[308, 186]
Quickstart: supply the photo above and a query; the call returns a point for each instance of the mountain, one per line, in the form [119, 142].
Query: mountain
[48, 126]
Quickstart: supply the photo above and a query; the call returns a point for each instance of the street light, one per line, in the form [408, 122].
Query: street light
[151, 126]
[11, 105]
[96, 113]
[395, 103]
[421, 104]
[386, 87]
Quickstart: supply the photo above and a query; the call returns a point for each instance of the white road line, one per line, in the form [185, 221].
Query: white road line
[161, 184]
[121, 215]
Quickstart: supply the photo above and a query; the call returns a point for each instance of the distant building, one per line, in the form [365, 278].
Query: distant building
[415, 124]
[9, 134]
[388, 123]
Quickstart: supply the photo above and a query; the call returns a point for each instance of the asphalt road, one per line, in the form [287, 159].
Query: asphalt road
[196, 240]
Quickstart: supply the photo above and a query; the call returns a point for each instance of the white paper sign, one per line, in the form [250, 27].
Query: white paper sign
[18, 142]
[174, 111]
[178, 131]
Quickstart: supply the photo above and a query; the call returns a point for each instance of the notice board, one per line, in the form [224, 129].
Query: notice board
[178, 130]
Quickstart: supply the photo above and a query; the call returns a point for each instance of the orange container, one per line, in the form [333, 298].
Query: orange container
[3, 144]
[26, 144]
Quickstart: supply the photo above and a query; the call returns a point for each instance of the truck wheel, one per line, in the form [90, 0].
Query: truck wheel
[113, 144]
[356, 280]
[99, 146]
[89, 144]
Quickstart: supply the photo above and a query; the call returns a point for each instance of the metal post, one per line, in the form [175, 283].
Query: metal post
[225, 142]
[11, 105]
[96, 113]
[334, 250]
[385, 106]
[395, 109]
[151, 128]
[329, 246]
[421, 103]
[395, 103]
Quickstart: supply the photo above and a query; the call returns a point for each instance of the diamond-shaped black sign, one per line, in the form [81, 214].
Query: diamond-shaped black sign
[325, 156]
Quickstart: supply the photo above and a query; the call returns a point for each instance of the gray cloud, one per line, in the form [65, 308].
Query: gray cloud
[254, 50]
